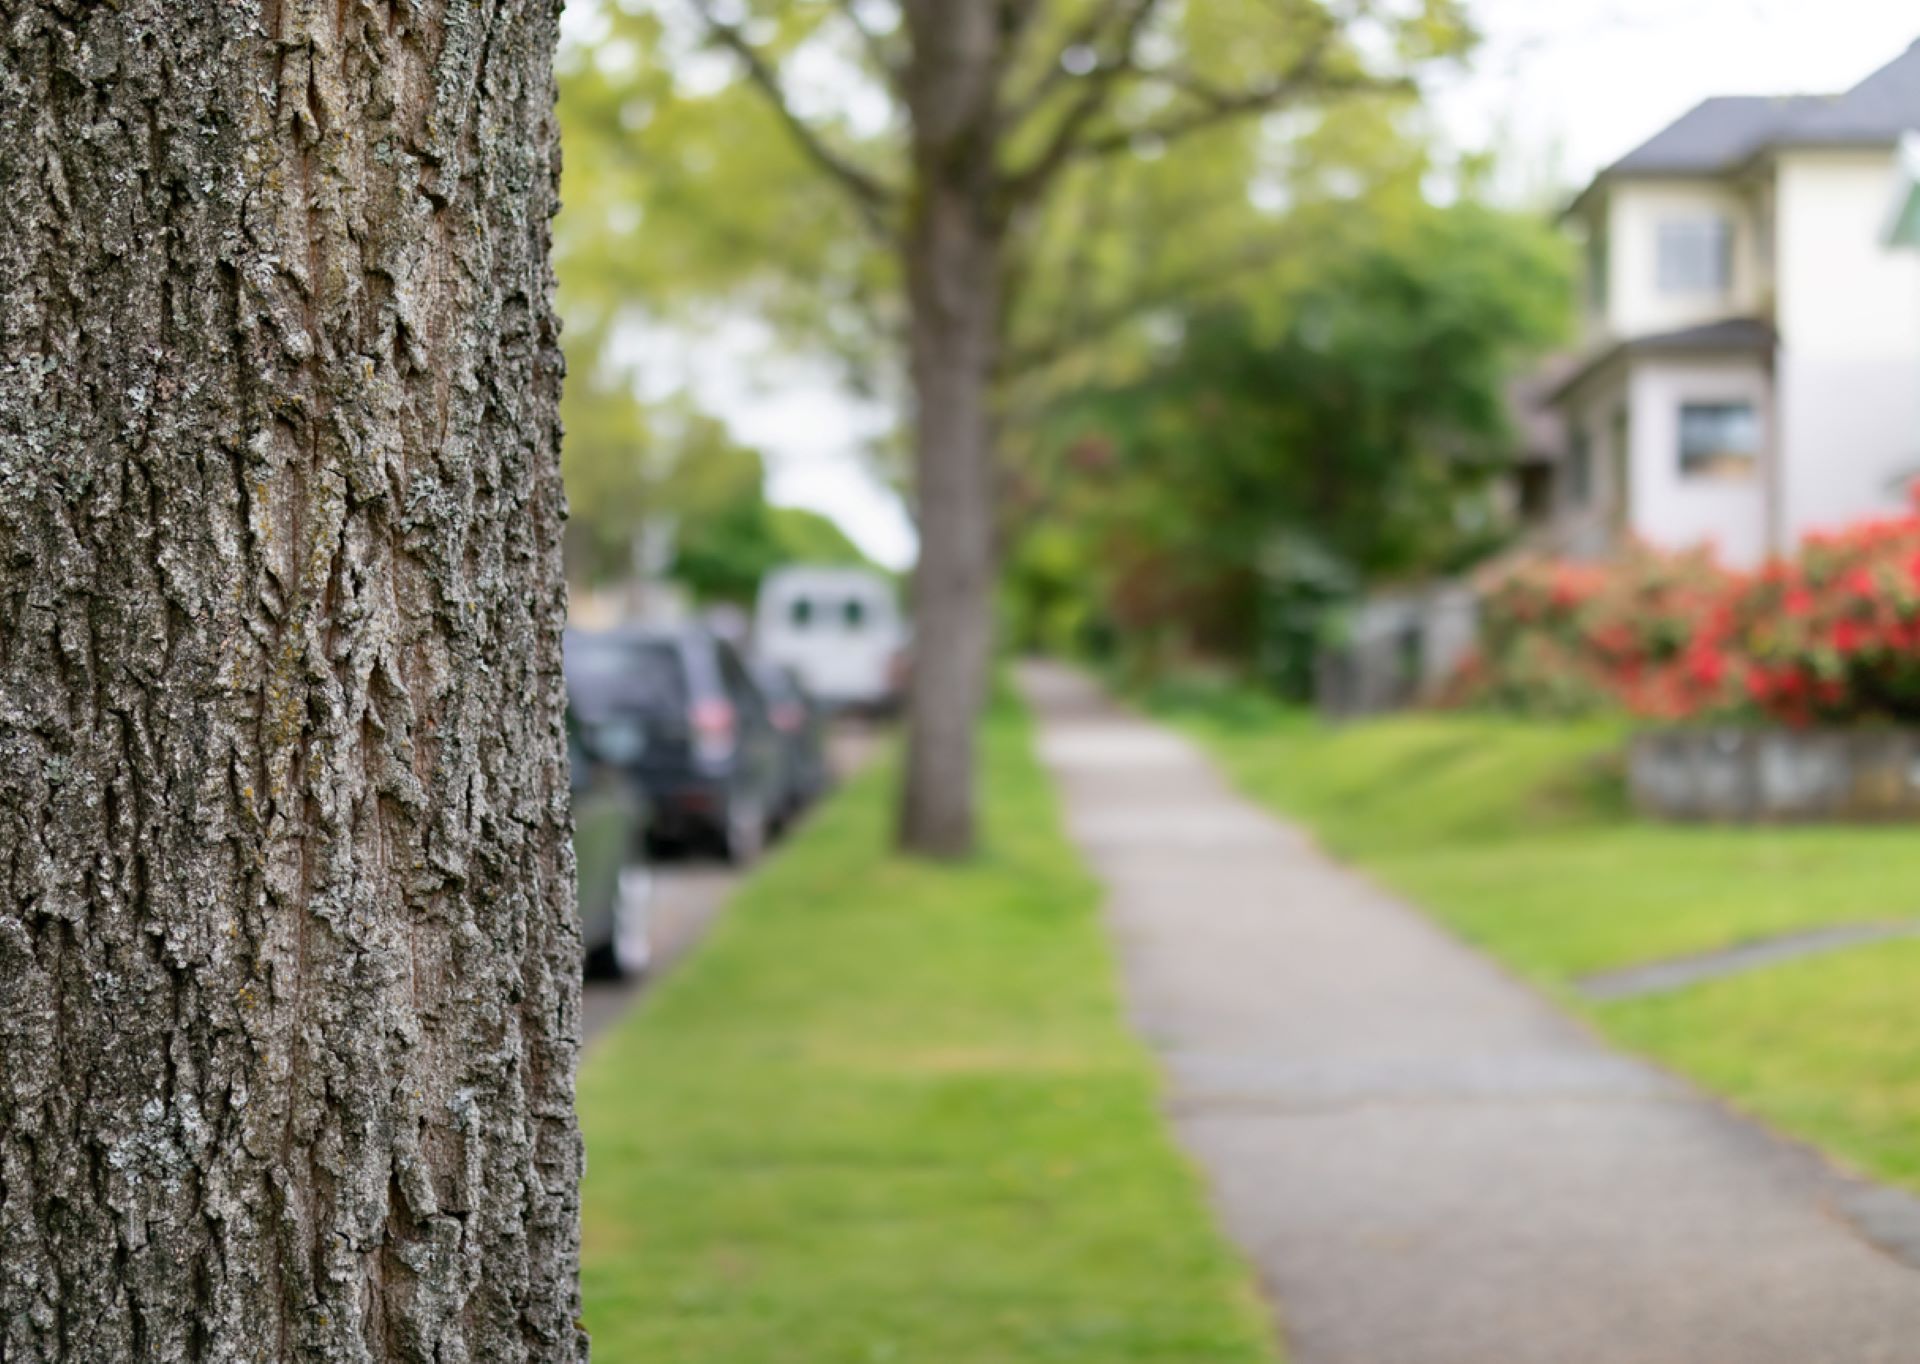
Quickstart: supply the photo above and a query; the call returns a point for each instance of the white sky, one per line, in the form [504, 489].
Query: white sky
[1566, 86]
[1561, 87]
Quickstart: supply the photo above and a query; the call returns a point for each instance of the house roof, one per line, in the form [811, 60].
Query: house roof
[1540, 427]
[1878, 110]
[1716, 135]
[1726, 132]
[1733, 336]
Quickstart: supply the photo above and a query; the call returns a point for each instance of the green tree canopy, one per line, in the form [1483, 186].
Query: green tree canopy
[1352, 435]
[689, 196]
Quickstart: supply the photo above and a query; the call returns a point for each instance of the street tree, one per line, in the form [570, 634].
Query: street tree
[1001, 123]
[289, 970]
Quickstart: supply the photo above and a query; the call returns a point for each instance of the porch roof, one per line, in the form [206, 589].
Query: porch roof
[1732, 336]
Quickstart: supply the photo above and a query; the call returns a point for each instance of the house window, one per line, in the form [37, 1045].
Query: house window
[1695, 256]
[1718, 440]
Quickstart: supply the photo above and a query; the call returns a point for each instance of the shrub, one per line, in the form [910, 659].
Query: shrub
[1830, 636]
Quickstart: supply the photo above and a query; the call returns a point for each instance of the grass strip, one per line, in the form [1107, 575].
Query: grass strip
[890, 1112]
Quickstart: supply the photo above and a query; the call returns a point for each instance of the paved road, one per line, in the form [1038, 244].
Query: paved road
[1427, 1163]
[690, 893]
[687, 898]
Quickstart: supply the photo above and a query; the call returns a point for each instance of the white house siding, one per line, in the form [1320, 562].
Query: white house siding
[1669, 509]
[1849, 364]
[1636, 305]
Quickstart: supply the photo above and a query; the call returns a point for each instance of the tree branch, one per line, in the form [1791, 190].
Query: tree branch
[1015, 18]
[1094, 34]
[872, 198]
[1179, 288]
[1120, 22]
[891, 70]
[1226, 106]
[1210, 105]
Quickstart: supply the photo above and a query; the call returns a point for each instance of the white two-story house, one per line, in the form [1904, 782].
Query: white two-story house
[1751, 367]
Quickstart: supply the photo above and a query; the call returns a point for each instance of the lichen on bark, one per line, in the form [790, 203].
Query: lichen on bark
[289, 973]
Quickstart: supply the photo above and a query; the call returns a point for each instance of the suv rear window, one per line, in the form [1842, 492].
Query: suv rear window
[644, 671]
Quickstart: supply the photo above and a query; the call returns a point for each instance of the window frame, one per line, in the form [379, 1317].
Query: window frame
[1725, 462]
[1675, 238]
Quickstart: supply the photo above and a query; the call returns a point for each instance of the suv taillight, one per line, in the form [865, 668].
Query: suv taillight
[713, 725]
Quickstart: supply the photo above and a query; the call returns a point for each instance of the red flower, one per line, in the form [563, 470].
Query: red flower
[1706, 666]
[1849, 636]
[1676, 636]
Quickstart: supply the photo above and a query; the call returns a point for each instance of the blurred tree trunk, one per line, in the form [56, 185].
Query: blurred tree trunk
[288, 966]
[953, 246]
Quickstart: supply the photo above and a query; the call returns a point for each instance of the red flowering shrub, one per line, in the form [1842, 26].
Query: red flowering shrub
[1831, 636]
[1561, 638]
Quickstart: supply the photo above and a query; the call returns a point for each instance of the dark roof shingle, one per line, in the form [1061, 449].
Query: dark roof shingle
[1724, 133]
[1716, 135]
[1879, 109]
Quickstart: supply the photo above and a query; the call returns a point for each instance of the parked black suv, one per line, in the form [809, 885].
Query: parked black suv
[676, 710]
[798, 720]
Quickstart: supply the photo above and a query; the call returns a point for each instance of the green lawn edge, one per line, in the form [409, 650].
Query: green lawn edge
[1515, 835]
[891, 1112]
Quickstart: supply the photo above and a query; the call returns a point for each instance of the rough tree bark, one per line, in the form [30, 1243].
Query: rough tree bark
[952, 255]
[288, 966]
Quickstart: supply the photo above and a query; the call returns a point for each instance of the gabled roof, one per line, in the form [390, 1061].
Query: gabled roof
[1725, 133]
[1539, 425]
[1878, 110]
[1716, 135]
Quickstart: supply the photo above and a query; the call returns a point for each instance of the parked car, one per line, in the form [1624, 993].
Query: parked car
[610, 860]
[840, 631]
[675, 709]
[801, 725]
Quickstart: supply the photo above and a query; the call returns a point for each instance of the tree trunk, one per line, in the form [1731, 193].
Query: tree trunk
[288, 962]
[953, 249]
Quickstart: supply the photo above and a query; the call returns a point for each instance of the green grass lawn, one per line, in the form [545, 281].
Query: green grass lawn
[890, 1113]
[1516, 835]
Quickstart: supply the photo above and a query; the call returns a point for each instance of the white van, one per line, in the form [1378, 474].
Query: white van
[840, 631]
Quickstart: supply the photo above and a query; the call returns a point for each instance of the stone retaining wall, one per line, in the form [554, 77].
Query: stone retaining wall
[1733, 775]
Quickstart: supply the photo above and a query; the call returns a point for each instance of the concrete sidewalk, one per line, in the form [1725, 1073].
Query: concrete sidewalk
[1426, 1162]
